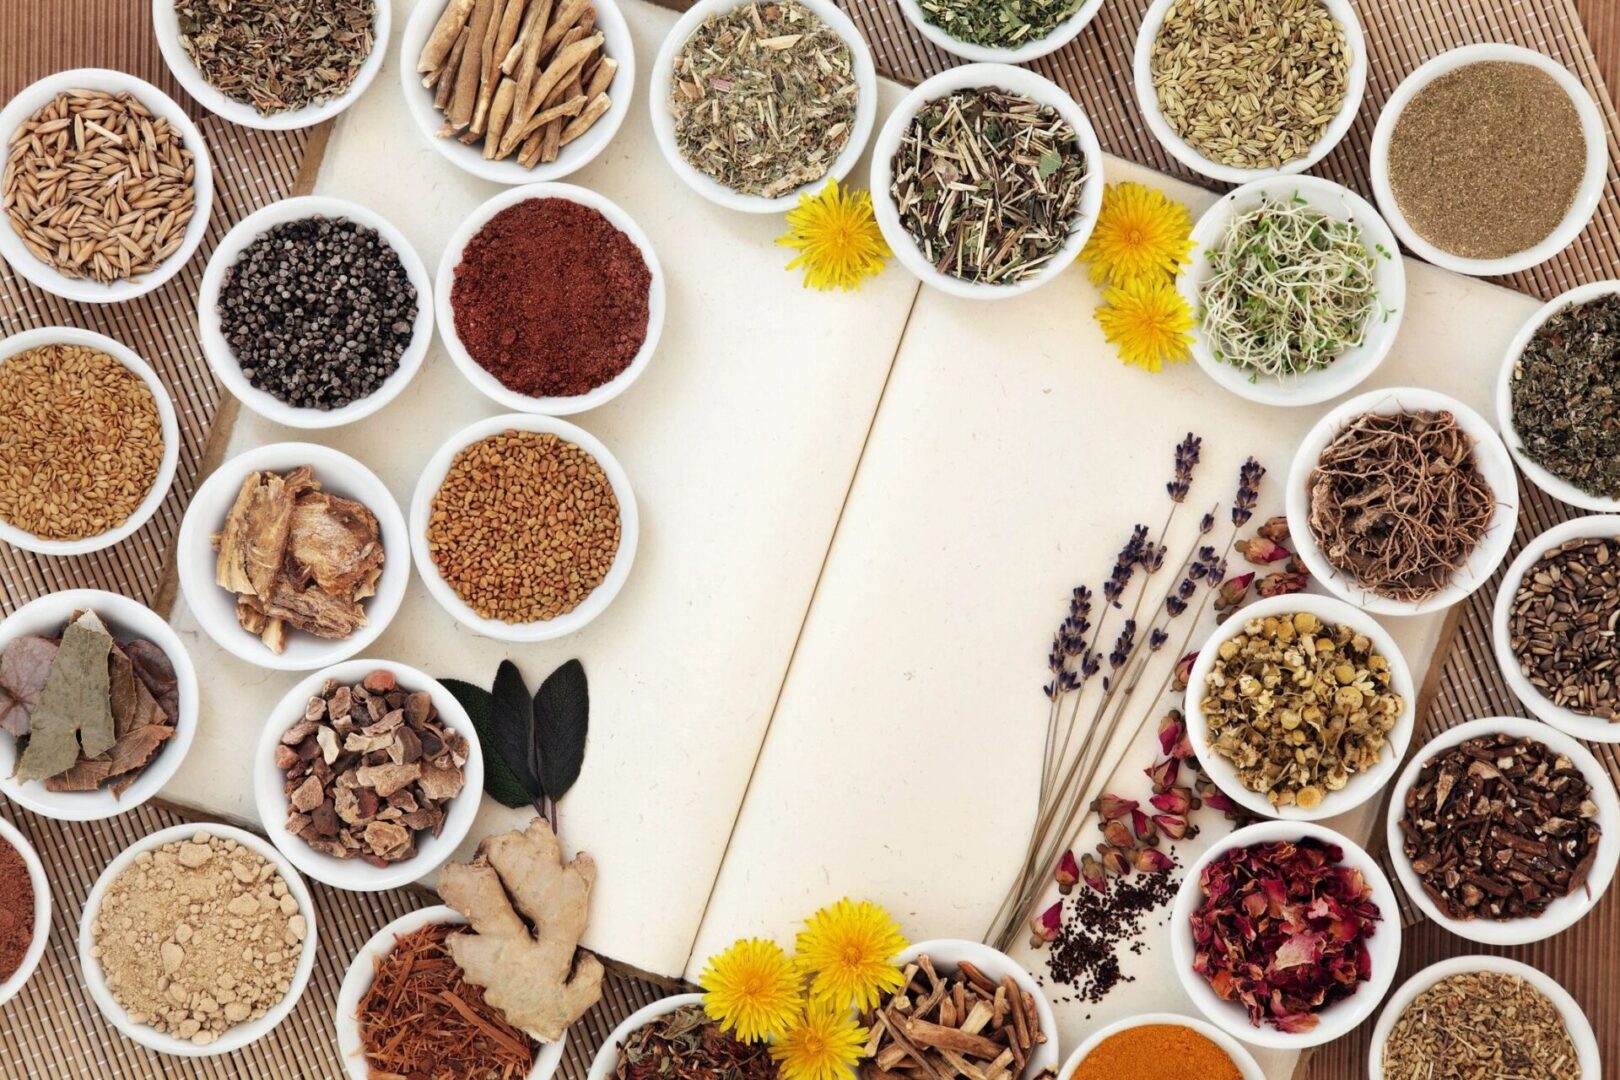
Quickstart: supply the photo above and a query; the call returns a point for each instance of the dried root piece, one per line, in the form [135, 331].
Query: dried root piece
[937, 1027]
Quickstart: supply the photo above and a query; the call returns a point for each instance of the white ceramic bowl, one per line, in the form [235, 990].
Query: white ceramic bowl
[427, 487]
[1063, 33]
[1337, 1019]
[1490, 457]
[363, 969]
[607, 1058]
[972, 76]
[1558, 488]
[616, 44]
[1362, 785]
[1575, 1022]
[242, 1034]
[166, 24]
[1247, 1067]
[42, 911]
[67, 335]
[1562, 913]
[356, 874]
[36, 96]
[1586, 196]
[223, 361]
[126, 619]
[1343, 12]
[947, 953]
[215, 608]
[1590, 728]
[662, 81]
[488, 384]
[1352, 366]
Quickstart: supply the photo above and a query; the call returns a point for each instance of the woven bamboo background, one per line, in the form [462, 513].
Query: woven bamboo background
[52, 1029]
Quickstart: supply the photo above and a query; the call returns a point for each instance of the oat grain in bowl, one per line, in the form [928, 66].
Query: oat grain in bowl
[1481, 1024]
[524, 526]
[198, 936]
[552, 298]
[99, 187]
[988, 184]
[1252, 84]
[278, 55]
[763, 98]
[81, 442]
[1562, 626]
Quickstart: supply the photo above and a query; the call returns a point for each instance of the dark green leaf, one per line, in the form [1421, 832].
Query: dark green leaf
[562, 720]
[514, 726]
[1049, 163]
[499, 782]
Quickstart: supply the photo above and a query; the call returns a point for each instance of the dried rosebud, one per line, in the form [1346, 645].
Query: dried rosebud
[1175, 801]
[1164, 774]
[1093, 873]
[1118, 834]
[1045, 926]
[1175, 826]
[1117, 861]
[1171, 728]
[1282, 584]
[1183, 750]
[1233, 590]
[1275, 530]
[1112, 807]
[1142, 825]
[1153, 861]
[1220, 800]
[1183, 670]
[1067, 873]
[1262, 552]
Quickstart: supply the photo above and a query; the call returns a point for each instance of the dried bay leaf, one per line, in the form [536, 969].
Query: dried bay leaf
[75, 706]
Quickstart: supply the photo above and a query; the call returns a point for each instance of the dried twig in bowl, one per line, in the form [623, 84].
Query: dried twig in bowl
[943, 1026]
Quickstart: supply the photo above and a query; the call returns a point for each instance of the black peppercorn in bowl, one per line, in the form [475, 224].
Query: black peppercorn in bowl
[1432, 850]
[315, 312]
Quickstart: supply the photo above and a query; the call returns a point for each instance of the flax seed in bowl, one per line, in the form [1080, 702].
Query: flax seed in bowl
[88, 441]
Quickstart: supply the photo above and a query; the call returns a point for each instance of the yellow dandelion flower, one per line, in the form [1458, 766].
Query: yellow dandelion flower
[824, 1043]
[849, 948]
[837, 238]
[1149, 322]
[1140, 234]
[752, 989]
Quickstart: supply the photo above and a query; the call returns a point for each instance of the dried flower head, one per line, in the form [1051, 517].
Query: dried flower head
[837, 238]
[849, 949]
[1150, 323]
[753, 990]
[1140, 235]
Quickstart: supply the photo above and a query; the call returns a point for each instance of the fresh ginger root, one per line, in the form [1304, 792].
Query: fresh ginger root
[531, 975]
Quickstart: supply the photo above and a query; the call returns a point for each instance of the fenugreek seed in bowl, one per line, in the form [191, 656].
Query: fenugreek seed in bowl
[1300, 707]
[523, 527]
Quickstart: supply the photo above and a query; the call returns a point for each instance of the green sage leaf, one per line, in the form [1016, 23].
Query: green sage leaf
[562, 720]
[500, 783]
[514, 726]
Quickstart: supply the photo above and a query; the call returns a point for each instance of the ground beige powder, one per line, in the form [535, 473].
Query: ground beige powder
[198, 936]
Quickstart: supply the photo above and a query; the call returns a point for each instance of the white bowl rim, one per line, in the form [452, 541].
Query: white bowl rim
[29, 100]
[167, 420]
[355, 874]
[1147, 99]
[1061, 34]
[1564, 912]
[1567, 721]
[433, 474]
[1385, 945]
[357, 980]
[445, 313]
[165, 26]
[41, 885]
[1494, 464]
[223, 362]
[243, 1034]
[1247, 1067]
[949, 952]
[1350, 369]
[607, 1056]
[1362, 785]
[1016, 80]
[662, 77]
[338, 473]
[113, 608]
[620, 46]
[1575, 1021]
[1538, 474]
[1587, 196]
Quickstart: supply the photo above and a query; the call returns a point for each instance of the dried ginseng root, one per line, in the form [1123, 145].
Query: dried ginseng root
[99, 187]
[946, 1025]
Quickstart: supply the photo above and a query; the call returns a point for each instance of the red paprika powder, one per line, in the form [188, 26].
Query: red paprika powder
[551, 298]
[16, 910]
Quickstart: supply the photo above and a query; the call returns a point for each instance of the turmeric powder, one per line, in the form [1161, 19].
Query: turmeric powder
[1157, 1052]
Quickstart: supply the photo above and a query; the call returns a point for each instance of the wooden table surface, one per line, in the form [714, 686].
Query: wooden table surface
[1602, 18]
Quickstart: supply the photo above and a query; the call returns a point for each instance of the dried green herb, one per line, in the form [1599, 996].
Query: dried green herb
[1481, 1024]
[763, 98]
[988, 184]
[1566, 396]
[999, 24]
[75, 706]
[277, 55]
[687, 1045]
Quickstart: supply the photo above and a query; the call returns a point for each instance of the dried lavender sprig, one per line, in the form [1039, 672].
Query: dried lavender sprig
[1248, 492]
[1188, 451]
[1125, 564]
